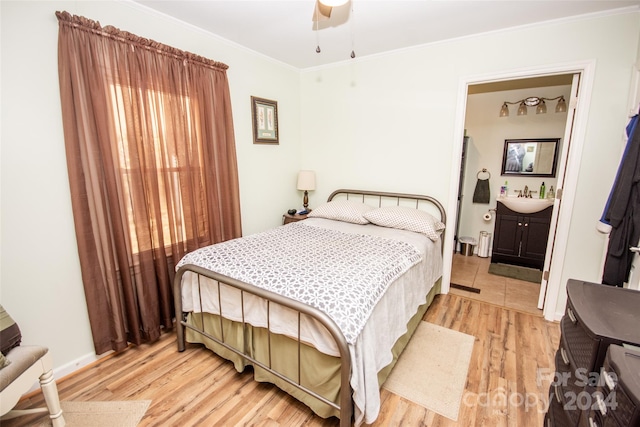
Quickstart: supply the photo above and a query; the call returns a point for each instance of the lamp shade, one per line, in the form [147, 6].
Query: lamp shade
[306, 180]
[504, 111]
[522, 109]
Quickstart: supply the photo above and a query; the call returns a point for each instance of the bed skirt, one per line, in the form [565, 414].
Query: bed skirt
[319, 372]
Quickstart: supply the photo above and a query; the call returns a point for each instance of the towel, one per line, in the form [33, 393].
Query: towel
[481, 194]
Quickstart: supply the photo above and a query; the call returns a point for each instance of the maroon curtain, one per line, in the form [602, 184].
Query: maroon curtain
[152, 168]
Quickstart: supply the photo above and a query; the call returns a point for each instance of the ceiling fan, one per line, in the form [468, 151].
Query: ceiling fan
[322, 13]
[323, 8]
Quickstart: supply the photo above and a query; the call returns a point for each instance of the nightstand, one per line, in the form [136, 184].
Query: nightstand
[287, 218]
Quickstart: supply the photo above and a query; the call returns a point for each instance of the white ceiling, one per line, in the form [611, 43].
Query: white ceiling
[283, 29]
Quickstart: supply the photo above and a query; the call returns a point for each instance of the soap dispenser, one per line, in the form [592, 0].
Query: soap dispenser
[551, 194]
[542, 188]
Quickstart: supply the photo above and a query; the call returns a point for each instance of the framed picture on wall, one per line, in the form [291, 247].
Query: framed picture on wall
[264, 114]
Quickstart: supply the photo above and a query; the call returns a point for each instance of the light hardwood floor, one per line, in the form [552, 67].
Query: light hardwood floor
[473, 271]
[507, 383]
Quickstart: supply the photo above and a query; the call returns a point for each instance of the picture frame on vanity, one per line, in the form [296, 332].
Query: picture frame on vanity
[264, 116]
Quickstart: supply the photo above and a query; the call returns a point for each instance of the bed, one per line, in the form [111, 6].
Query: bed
[322, 308]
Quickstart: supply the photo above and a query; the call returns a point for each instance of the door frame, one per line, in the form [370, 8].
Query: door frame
[561, 178]
[586, 69]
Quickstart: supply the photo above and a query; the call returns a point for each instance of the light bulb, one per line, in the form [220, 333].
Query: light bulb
[333, 3]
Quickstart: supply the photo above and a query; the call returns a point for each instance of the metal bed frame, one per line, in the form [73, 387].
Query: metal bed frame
[345, 407]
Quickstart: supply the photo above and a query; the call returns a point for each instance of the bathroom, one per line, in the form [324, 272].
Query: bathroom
[484, 159]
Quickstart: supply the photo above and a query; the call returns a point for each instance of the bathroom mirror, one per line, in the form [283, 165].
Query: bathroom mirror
[530, 157]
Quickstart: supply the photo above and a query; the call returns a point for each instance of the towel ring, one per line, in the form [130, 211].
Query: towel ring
[483, 171]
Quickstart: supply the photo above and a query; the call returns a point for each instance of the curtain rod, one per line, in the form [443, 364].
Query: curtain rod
[110, 31]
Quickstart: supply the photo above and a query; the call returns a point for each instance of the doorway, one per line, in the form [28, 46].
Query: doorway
[488, 124]
[559, 229]
[470, 278]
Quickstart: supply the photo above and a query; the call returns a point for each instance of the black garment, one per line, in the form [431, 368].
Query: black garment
[623, 213]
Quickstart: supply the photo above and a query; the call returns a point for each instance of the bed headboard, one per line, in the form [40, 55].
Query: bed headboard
[380, 199]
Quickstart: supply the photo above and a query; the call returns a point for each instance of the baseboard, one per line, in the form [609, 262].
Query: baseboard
[558, 317]
[71, 368]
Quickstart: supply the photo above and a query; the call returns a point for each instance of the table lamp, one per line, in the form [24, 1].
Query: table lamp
[306, 182]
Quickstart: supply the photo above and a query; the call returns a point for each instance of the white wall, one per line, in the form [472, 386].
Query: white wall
[487, 132]
[385, 122]
[40, 274]
[389, 121]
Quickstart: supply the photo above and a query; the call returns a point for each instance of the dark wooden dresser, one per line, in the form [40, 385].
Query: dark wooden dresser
[597, 317]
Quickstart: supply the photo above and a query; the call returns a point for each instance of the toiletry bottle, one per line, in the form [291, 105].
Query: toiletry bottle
[542, 188]
[551, 194]
[504, 189]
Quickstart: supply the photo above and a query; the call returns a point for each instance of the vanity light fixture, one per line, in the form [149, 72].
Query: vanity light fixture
[534, 101]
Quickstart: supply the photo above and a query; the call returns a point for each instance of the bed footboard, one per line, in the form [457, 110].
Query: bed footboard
[345, 407]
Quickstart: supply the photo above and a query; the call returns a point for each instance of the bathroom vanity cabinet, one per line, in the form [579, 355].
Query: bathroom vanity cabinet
[521, 239]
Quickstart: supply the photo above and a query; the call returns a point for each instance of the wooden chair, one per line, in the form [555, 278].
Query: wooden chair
[29, 363]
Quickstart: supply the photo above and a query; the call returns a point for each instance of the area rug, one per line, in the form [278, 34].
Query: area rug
[102, 414]
[432, 369]
[516, 272]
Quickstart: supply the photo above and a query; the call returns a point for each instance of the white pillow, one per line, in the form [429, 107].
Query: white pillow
[405, 218]
[342, 210]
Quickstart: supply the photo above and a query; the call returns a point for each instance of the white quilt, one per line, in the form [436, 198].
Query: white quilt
[372, 324]
[342, 274]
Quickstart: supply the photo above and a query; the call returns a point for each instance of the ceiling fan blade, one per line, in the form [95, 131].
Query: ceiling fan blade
[321, 12]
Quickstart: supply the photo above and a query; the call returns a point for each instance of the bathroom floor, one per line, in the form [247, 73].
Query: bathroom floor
[472, 271]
